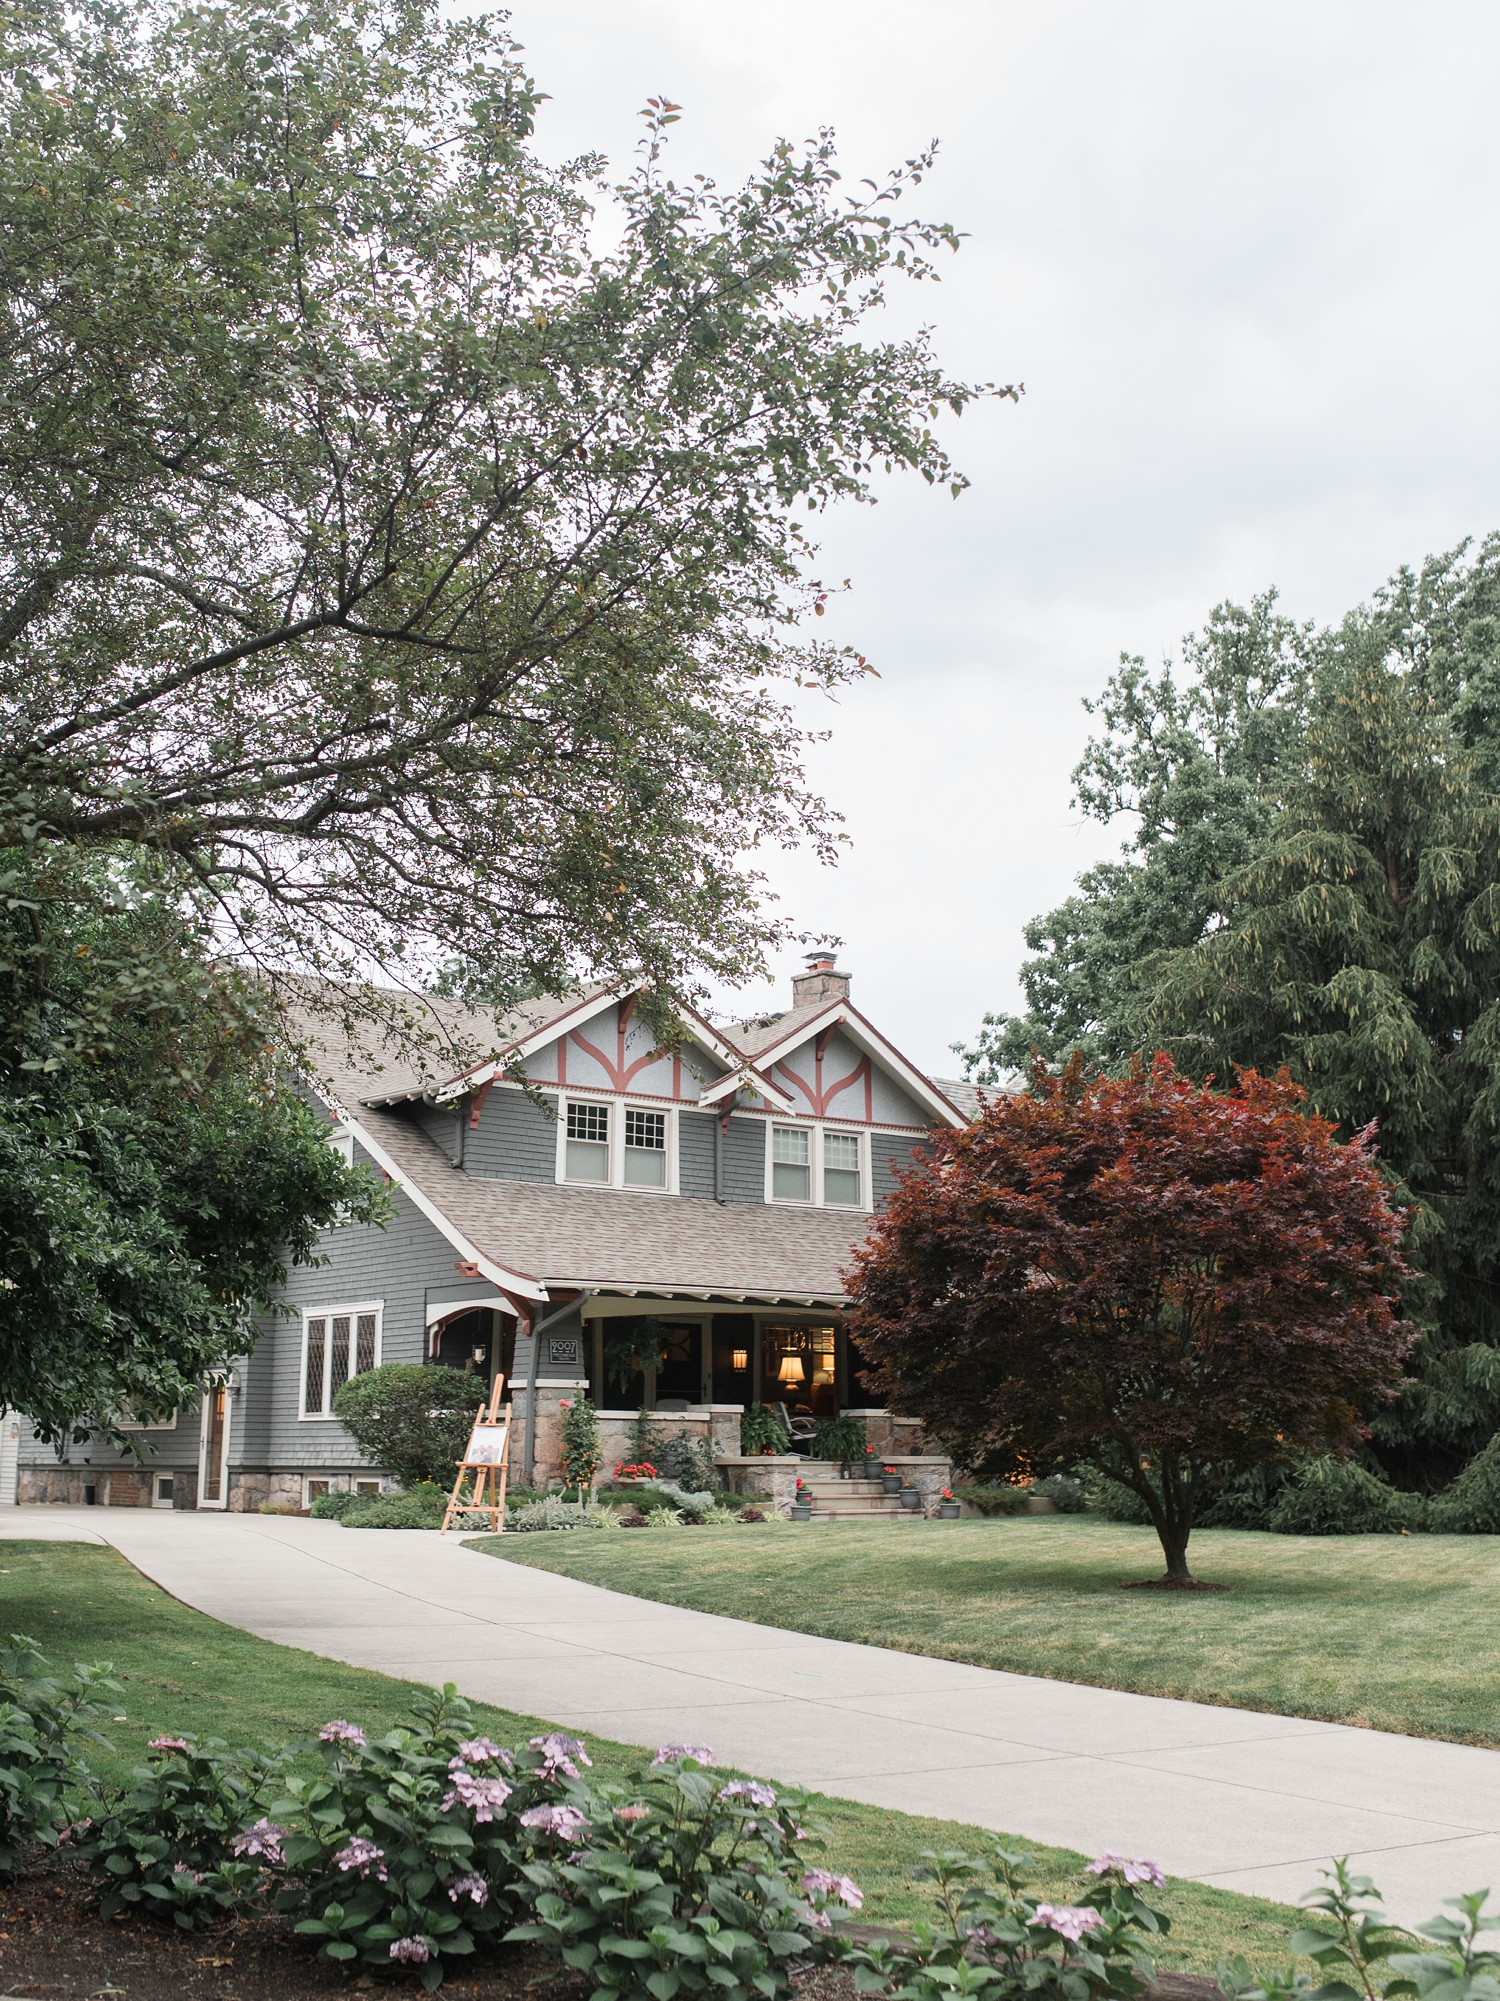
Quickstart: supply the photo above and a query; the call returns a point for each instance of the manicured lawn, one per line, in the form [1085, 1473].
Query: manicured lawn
[184, 1672]
[1382, 1631]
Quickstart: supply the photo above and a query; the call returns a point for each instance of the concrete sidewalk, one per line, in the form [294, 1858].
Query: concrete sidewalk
[1229, 1796]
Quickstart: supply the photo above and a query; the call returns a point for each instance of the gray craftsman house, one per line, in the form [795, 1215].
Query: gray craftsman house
[576, 1180]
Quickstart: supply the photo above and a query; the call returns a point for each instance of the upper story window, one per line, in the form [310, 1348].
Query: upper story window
[810, 1164]
[337, 1343]
[645, 1149]
[791, 1164]
[617, 1146]
[588, 1143]
[841, 1176]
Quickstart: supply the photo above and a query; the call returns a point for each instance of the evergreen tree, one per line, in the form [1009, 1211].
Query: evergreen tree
[1360, 947]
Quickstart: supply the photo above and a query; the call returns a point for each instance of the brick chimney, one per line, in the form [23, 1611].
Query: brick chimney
[822, 981]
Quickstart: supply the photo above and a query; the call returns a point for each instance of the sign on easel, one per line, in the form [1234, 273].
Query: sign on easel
[485, 1467]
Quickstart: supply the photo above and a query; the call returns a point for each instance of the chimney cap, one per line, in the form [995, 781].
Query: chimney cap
[822, 960]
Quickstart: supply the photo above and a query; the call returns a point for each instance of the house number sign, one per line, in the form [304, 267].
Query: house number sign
[565, 1354]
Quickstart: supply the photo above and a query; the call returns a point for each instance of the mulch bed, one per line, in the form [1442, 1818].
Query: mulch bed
[54, 1946]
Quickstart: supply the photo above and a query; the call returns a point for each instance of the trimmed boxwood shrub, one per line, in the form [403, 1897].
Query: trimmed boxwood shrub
[992, 1500]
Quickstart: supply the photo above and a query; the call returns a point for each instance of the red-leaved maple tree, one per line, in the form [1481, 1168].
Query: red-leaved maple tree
[1141, 1275]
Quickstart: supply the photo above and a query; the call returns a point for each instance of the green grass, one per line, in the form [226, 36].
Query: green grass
[183, 1672]
[1385, 1632]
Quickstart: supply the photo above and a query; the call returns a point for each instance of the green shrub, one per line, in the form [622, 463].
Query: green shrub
[1116, 1502]
[1065, 1491]
[412, 1418]
[45, 1719]
[335, 1505]
[395, 1511]
[688, 1461]
[580, 1440]
[759, 1428]
[1471, 1505]
[643, 1499]
[841, 1437]
[992, 1500]
[1246, 1502]
[553, 1512]
[173, 1845]
[1329, 1497]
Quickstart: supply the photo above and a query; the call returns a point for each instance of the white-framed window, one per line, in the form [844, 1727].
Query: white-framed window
[588, 1141]
[337, 1342]
[645, 1148]
[163, 1490]
[607, 1144]
[818, 1165]
[341, 1141]
[791, 1163]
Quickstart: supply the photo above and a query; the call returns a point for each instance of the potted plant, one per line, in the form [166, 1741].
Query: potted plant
[911, 1500]
[948, 1509]
[802, 1503]
[640, 1470]
[890, 1479]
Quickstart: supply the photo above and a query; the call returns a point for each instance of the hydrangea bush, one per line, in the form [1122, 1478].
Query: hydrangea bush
[679, 1884]
[174, 1844]
[409, 1846]
[989, 1937]
[45, 1720]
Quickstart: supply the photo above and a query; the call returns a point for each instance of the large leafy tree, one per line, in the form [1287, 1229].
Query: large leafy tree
[157, 1171]
[410, 565]
[1166, 1283]
[1189, 759]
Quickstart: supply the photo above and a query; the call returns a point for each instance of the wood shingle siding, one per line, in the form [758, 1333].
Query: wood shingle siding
[515, 1140]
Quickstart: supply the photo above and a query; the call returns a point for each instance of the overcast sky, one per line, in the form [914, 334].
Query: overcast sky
[1243, 258]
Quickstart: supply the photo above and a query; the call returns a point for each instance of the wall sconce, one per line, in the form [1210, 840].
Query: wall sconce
[480, 1354]
[740, 1360]
[791, 1370]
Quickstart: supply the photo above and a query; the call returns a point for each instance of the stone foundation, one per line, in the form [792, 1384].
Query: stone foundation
[70, 1486]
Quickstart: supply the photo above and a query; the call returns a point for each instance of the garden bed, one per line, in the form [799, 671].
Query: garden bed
[54, 1944]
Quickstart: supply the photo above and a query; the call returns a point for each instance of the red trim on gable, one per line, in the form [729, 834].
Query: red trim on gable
[819, 1097]
[477, 1106]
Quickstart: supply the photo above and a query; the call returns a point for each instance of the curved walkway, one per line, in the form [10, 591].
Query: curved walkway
[1230, 1796]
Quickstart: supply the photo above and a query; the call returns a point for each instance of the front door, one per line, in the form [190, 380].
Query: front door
[213, 1448]
[679, 1374]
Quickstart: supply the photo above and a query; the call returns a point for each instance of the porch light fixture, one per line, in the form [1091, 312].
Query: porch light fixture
[740, 1360]
[791, 1370]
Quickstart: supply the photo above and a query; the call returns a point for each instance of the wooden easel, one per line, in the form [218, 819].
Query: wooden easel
[487, 1460]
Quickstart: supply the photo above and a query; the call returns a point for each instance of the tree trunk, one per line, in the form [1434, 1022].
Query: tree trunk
[1174, 1544]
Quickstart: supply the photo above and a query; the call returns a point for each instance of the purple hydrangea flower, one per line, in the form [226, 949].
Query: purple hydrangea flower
[558, 1753]
[340, 1732]
[480, 1751]
[264, 1839]
[414, 1949]
[362, 1855]
[1133, 1869]
[673, 1754]
[823, 1883]
[167, 1744]
[1069, 1921]
[483, 1797]
[471, 1886]
[749, 1789]
[181, 1869]
[566, 1820]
